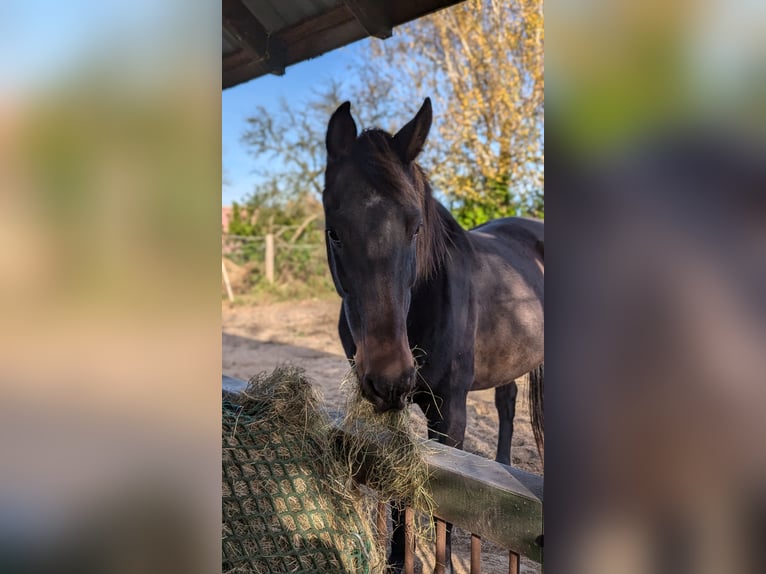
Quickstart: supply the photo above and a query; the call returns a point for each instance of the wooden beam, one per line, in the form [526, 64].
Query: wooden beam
[252, 37]
[235, 60]
[343, 23]
[372, 15]
[486, 498]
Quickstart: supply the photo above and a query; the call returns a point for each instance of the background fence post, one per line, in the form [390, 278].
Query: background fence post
[226, 281]
[270, 258]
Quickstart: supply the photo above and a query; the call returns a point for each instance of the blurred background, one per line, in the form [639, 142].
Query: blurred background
[656, 173]
[109, 345]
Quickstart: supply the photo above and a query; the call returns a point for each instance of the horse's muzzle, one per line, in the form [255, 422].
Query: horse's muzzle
[387, 394]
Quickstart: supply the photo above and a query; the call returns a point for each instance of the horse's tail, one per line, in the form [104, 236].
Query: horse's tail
[535, 396]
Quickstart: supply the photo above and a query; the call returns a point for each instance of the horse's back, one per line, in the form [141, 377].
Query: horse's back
[524, 230]
[517, 242]
[508, 281]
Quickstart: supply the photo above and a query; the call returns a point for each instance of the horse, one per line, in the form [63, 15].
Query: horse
[469, 303]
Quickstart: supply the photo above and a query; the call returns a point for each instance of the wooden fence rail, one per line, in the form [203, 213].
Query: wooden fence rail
[492, 501]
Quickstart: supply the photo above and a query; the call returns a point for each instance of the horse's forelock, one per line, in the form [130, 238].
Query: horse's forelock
[377, 160]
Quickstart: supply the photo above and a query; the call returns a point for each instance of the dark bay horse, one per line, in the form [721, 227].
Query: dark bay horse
[469, 303]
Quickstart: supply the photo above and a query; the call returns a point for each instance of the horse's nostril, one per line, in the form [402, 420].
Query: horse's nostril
[372, 388]
[391, 393]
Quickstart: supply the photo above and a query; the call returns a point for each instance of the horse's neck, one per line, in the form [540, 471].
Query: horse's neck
[434, 304]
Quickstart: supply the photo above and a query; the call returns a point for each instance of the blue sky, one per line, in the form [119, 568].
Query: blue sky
[43, 42]
[240, 101]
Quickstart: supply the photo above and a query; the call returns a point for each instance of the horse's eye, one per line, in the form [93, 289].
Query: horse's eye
[417, 230]
[333, 236]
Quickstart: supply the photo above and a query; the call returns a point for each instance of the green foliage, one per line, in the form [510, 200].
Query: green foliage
[300, 264]
[481, 62]
[496, 200]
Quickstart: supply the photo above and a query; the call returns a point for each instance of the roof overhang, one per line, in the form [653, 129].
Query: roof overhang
[265, 36]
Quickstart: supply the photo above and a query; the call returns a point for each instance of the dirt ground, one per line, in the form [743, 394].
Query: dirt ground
[304, 333]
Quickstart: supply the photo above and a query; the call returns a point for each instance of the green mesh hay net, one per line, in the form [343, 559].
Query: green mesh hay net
[285, 509]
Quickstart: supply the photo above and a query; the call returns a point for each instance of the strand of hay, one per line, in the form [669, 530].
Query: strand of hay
[397, 471]
[291, 497]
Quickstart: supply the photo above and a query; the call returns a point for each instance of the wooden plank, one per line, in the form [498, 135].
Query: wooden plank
[226, 281]
[320, 23]
[252, 37]
[514, 563]
[382, 523]
[240, 23]
[441, 547]
[372, 15]
[342, 24]
[486, 498]
[409, 541]
[235, 60]
[269, 263]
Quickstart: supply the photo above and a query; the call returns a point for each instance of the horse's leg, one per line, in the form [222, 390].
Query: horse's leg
[505, 401]
[536, 406]
[398, 541]
[447, 425]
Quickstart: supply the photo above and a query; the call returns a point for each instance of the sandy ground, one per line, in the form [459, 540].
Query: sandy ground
[304, 333]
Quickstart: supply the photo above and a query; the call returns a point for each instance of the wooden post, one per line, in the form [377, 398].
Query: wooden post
[475, 554]
[382, 523]
[441, 547]
[226, 281]
[270, 258]
[409, 538]
[514, 563]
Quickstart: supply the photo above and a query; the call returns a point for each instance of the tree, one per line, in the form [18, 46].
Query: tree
[292, 139]
[482, 63]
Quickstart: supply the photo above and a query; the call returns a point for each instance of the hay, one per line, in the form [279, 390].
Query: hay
[397, 471]
[291, 497]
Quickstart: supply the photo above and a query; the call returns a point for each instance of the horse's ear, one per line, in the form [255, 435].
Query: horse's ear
[409, 140]
[341, 132]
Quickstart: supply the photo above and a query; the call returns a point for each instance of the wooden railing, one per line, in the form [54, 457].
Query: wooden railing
[494, 502]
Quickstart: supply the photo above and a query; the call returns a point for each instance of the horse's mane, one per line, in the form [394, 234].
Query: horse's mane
[378, 161]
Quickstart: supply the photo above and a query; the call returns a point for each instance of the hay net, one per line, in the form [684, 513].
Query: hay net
[290, 499]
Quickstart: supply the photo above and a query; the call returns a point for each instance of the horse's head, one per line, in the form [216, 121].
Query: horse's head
[374, 211]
